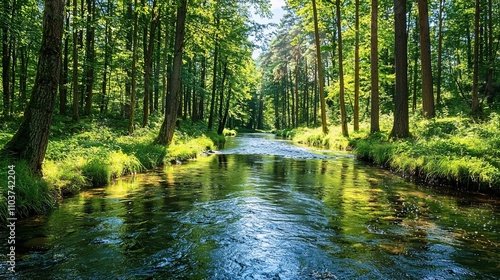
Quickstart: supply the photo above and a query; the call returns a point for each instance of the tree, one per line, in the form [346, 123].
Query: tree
[343, 113]
[356, 70]
[374, 120]
[133, 72]
[425, 60]
[401, 128]
[31, 139]
[475, 84]
[76, 113]
[320, 70]
[168, 127]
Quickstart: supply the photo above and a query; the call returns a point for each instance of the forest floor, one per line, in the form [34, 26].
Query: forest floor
[91, 153]
[456, 151]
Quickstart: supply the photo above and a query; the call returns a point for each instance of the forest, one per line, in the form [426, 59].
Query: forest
[95, 89]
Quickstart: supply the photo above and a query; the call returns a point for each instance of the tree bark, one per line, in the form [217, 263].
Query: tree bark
[343, 113]
[440, 52]
[148, 64]
[133, 85]
[320, 70]
[76, 113]
[374, 95]
[31, 139]
[6, 60]
[168, 127]
[401, 125]
[89, 56]
[475, 84]
[356, 71]
[425, 60]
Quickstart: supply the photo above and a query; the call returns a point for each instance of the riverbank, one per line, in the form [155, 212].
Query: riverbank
[91, 153]
[458, 151]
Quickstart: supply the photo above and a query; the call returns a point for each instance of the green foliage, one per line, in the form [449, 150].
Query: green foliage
[32, 194]
[456, 150]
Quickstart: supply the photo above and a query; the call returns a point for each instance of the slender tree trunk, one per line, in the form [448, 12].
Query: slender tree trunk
[425, 59]
[356, 71]
[168, 127]
[203, 86]
[214, 80]
[320, 70]
[6, 59]
[90, 56]
[374, 96]
[133, 92]
[76, 113]
[440, 52]
[343, 113]
[31, 139]
[401, 125]
[148, 64]
[475, 84]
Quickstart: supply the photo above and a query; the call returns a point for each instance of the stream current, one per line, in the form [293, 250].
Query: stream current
[262, 208]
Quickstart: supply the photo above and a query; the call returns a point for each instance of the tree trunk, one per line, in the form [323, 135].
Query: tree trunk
[356, 71]
[343, 113]
[320, 70]
[440, 52]
[133, 92]
[475, 84]
[148, 64]
[168, 127]
[214, 81]
[374, 96]
[31, 140]
[425, 60]
[90, 56]
[6, 60]
[76, 113]
[401, 122]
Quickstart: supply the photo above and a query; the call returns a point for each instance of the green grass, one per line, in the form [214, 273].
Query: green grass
[452, 150]
[94, 152]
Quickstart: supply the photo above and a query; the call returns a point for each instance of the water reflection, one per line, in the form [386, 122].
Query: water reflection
[264, 216]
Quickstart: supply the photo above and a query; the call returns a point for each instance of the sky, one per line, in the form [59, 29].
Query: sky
[278, 12]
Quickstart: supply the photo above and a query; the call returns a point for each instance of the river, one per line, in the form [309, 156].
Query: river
[263, 208]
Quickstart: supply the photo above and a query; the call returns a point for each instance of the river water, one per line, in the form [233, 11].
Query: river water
[263, 209]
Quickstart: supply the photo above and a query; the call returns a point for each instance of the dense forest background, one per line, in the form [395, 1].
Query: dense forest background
[127, 68]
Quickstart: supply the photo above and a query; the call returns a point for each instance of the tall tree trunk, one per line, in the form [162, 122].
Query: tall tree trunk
[31, 139]
[440, 52]
[148, 64]
[223, 120]
[425, 59]
[107, 57]
[76, 113]
[374, 95]
[90, 56]
[168, 127]
[343, 113]
[214, 80]
[356, 71]
[6, 52]
[202, 88]
[133, 92]
[320, 70]
[63, 88]
[475, 84]
[401, 125]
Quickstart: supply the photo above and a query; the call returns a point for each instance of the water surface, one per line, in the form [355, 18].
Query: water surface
[263, 209]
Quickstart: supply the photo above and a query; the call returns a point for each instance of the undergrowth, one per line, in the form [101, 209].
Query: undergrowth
[458, 150]
[94, 152]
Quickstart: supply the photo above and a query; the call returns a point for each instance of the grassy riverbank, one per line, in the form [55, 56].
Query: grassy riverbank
[456, 151]
[92, 153]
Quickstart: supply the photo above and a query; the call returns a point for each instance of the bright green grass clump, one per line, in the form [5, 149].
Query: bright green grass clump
[92, 153]
[457, 150]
